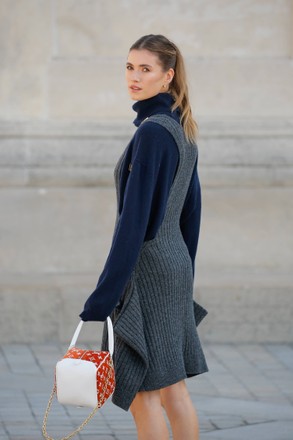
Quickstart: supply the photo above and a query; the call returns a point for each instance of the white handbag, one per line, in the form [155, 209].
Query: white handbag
[83, 378]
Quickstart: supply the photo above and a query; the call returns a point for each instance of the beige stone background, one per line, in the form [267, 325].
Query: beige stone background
[65, 118]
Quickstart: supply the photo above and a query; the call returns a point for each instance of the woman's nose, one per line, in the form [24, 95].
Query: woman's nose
[135, 76]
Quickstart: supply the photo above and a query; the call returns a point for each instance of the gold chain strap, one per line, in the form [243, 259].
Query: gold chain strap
[77, 430]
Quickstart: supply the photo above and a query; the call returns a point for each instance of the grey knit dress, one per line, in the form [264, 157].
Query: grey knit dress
[156, 340]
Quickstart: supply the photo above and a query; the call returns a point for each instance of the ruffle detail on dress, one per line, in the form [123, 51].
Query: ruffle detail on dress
[131, 359]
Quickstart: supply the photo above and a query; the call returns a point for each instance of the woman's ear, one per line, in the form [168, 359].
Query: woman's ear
[170, 75]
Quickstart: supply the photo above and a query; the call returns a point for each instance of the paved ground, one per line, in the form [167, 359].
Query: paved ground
[247, 395]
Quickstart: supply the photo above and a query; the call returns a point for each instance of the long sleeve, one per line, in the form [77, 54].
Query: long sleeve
[147, 186]
[191, 216]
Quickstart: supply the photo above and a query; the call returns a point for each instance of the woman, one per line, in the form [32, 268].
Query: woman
[147, 281]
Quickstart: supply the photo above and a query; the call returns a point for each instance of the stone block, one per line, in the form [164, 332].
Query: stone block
[234, 29]
[241, 88]
[88, 91]
[246, 29]
[243, 267]
[60, 154]
[246, 228]
[247, 308]
[249, 143]
[23, 93]
[30, 311]
[25, 35]
[55, 230]
[45, 307]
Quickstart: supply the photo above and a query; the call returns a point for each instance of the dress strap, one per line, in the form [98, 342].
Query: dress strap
[188, 153]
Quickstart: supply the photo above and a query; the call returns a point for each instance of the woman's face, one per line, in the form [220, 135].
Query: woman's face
[144, 75]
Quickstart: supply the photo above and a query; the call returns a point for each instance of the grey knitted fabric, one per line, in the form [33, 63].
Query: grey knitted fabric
[156, 341]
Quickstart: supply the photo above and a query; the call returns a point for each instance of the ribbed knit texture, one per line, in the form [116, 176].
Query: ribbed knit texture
[155, 325]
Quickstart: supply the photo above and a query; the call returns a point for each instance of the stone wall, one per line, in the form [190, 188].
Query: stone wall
[65, 118]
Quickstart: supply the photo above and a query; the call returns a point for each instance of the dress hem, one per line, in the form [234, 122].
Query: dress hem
[168, 383]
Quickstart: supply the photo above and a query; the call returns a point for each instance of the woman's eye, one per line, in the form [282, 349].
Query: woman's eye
[144, 69]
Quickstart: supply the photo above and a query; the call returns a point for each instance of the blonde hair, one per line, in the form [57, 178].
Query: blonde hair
[170, 57]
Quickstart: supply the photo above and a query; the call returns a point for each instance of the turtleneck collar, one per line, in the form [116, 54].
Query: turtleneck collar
[160, 103]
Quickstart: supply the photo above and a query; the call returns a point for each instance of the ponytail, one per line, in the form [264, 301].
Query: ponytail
[170, 57]
[179, 90]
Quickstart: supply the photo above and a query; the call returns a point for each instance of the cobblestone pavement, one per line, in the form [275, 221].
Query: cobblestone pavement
[247, 395]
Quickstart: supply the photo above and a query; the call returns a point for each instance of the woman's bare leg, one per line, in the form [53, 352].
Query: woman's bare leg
[148, 415]
[180, 411]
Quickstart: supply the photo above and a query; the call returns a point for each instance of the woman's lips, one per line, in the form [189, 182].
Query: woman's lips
[135, 88]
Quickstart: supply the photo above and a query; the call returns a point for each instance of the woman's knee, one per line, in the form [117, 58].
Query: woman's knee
[146, 402]
[175, 398]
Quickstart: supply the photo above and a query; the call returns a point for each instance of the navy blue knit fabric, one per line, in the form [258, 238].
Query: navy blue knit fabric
[149, 166]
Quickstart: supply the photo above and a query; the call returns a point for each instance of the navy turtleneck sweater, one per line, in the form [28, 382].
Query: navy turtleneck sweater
[147, 173]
